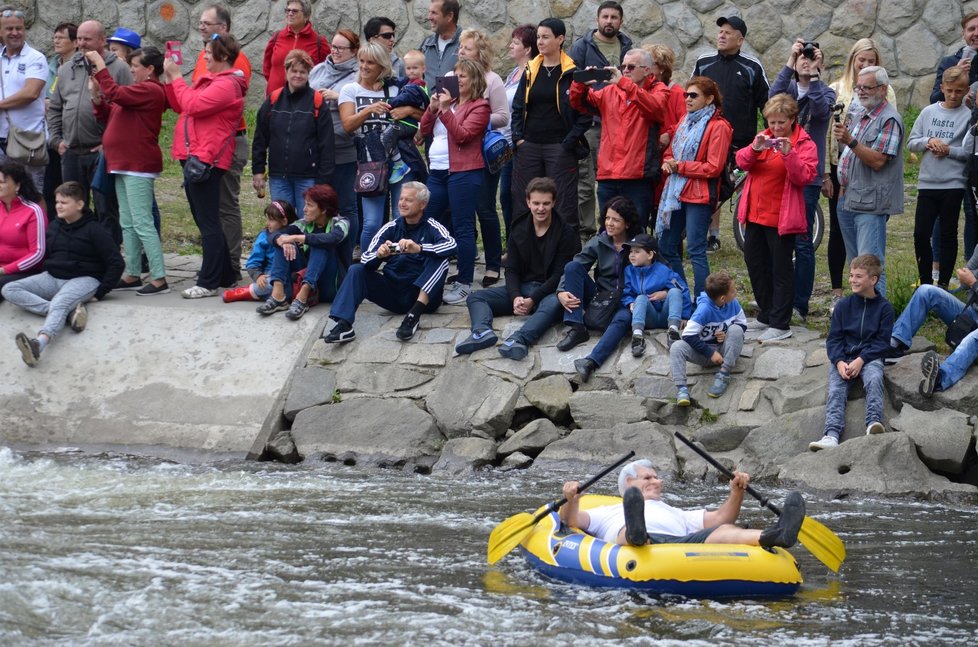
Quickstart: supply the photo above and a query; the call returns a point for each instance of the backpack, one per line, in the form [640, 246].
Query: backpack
[317, 100]
[496, 150]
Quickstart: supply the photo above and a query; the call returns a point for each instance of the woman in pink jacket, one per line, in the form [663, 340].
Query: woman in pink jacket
[22, 224]
[780, 162]
[210, 112]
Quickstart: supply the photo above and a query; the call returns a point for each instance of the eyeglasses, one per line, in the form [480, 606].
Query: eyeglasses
[692, 95]
[204, 23]
[386, 35]
[7, 13]
[340, 48]
[291, 11]
[864, 88]
[629, 67]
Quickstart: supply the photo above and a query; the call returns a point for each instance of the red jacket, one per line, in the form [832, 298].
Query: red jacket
[466, 128]
[134, 113]
[214, 106]
[675, 107]
[631, 120]
[801, 164]
[711, 159]
[284, 41]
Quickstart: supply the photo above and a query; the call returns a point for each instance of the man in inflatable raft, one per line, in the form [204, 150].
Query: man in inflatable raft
[643, 518]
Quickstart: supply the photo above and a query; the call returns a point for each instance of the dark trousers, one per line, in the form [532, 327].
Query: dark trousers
[362, 283]
[546, 160]
[772, 274]
[836, 253]
[485, 304]
[805, 253]
[204, 198]
[52, 180]
[78, 166]
[485, 209]
[941, 206]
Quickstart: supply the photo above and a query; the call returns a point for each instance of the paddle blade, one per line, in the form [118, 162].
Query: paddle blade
[821, 542]
[508, 535]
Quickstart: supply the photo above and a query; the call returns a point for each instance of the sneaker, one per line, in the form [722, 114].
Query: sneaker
[30, 349]
[826, 442]
[409, 326]
[457, 295]
[341, 333]
[835, 301]
[513, 349]
[476, 341]
[296, 310]
[673, 333]
[78, 318]
[935, 276]
[875, 428]
[682, 396]
[574, 336]
[198, 292]
[784, 533]
[930, 366]
[796, 314]
[638, 344]
[755, 325]
[712, 244]
[585, 367]
[150, 290]
[633, 502]
[128, 285]
[720, 383]
[271, 306]
[773, 334]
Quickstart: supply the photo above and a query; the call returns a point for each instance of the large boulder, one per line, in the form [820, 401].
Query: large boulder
[551, 395]
[531, 439]
[311, 386]
[943, 437]
[603, 409]
[463, 455]
[766, 448]
[386, 432]
[591, 448]
[466, 398]
[796, 393]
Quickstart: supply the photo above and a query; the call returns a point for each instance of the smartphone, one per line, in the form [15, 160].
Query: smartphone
[773, 142]
[599, 74]
[174, 51]
[449, 83]
[968, 53]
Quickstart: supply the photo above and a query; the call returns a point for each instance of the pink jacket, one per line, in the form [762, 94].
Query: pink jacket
[22, 236]
[466, 127]
[214, 105]
[801, 163]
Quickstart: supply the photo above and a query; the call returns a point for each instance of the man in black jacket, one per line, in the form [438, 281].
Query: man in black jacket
[537, 250]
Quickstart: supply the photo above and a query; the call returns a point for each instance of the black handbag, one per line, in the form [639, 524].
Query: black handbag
[602, 308]
[196, 170]
[962, 326]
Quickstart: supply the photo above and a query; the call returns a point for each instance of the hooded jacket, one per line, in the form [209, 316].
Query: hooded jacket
[297, 140]
[576, 123]
[133, 115]
[652, 278]
[210, 112]
[860, 327]
[284, 41]
[334, 76]
[71, 117]
[83, 248]
[708, 319]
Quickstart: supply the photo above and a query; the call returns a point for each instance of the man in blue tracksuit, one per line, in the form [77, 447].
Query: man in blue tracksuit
[415, 252]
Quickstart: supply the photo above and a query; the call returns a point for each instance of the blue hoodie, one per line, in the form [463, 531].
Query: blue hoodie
[708, 319]
[647, 279]
[860, 327]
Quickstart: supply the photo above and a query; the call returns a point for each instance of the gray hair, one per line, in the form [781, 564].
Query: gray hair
[306, 6]
[644, 57]
[421, 191]
[630, 471]
[878, 72]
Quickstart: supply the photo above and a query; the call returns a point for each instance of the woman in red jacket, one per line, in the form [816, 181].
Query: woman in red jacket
[132, 154]
[780, 163]
[693, 163]
[455, 155]
[298, 34]
[210, 112]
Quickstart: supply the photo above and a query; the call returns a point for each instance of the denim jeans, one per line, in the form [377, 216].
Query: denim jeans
[958, 362]
[485, 209]
[485, 304]
[619, 328]
[695, 220]
[290, 189]
[835, 403]
[657, 314]
[52, 298]
[805, 253]
[321, 266]
[865, 233]
[374, 212]
[578, 282]
[457, 193]
[639, 192]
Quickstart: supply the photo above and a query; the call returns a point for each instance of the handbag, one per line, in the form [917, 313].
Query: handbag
[602, 308]
[962, 326]
[496, 150]
[29, 147]
[372, 175]
[102, 180]
[195, 170]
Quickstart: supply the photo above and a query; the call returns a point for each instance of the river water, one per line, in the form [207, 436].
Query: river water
[118, 550]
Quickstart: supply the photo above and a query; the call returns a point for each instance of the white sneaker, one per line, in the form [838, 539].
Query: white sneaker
[875, 428]
[827, 442]
[773, 334]
[198, 292]
[753, 325]
[457, 294]
[935, 276]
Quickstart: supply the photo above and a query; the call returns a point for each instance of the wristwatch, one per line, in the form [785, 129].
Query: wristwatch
[853, 143]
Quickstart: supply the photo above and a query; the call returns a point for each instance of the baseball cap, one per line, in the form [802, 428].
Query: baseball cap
[127, 37]
[644, 241]
[735, 22]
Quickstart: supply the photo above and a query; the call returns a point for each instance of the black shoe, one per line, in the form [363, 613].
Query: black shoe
[408, 327]
[585, 367]
[341, 333]
[476, 341]
[574, 336]
[150, 290]
[513, 349]
[930, 366]
[893, 353]
[785, 532]
[634, 504]
[638, 345]
[30, 349]
[712, 244]
[128, 285]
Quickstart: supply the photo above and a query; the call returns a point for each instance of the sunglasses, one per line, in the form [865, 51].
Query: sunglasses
[386, 36]
[692, 95]
[7, 13]
[631, 66]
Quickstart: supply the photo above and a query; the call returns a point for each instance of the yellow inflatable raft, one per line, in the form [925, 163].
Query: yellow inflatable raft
[695, 570]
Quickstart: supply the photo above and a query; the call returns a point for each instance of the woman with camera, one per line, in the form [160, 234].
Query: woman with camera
[780, 163]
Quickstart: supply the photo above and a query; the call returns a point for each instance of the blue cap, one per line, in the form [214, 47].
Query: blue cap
[127, 37]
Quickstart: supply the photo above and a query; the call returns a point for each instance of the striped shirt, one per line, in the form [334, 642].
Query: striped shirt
[887, 142]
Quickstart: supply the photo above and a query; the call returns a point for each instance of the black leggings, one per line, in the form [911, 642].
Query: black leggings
[837, 246]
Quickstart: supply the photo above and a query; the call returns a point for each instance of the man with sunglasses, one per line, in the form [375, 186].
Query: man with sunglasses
[440, 49]
[383, 30]
[632, 107]
[870, 168]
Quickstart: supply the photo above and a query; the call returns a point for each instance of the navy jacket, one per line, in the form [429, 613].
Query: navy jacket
[406, 268]
[948, 62]
[860, 327]
[83, 248]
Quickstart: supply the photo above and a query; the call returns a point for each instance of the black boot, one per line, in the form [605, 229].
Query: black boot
[585, 367]
[784, 533]
[634, 504]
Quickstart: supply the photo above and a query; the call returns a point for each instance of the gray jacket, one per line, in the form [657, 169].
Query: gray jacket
[332, 76]
[439, 63]
[70, 114]
[601, 250]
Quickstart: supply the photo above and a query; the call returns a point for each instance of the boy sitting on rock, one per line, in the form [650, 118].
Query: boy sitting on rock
[859, 338]
[714, 336]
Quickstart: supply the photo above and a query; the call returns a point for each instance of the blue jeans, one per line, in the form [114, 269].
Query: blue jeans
[638, 191]
[506, 194]
[657, 314]
[695, 220]
[805, 253]
[459, 194]
[290, 189]
[397, 296]
[578, 282]
[835, 404]
[374, 212]
[343, 178]
[492, 238]
[322, 270]
[865, 233]
[485, 304]
[51, 298]
[619, 328]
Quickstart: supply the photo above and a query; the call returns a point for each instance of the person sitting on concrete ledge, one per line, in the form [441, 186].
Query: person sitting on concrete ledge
[927, 298]
[538, 249]
[643, 517]
[414, 251]
[82, 261]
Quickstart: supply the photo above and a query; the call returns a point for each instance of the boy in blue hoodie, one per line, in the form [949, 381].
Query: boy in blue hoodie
[859, 339]
[652, 291]
[714, 336]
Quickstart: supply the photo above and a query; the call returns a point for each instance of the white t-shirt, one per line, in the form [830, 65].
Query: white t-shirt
[361, 98]
[660, 519]
[438, 153]
[29, 64]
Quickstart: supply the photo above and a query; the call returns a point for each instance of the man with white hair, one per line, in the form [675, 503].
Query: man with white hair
[870, 169]
[644, 518]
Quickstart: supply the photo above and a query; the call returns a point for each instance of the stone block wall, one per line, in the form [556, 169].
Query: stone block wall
[912, 34]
